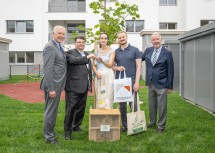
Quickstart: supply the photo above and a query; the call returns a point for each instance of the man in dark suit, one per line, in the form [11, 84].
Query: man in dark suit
[159, 79]
[78, 83]
[53, 82]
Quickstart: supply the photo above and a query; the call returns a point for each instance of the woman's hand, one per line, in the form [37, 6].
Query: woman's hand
[99, 59]
[99, 76]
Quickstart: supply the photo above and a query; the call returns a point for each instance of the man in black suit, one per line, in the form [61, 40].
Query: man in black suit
[78, 83]
[159, 79]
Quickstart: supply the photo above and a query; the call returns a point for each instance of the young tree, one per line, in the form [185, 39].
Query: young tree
[112, 19]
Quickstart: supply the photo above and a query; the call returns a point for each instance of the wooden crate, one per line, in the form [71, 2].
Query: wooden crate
[104, 125]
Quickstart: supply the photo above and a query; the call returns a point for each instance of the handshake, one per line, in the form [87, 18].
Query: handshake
[99, 59]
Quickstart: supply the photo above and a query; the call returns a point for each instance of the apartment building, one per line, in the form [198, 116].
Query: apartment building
[29, 23]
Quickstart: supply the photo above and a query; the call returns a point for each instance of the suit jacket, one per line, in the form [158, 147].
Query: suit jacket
[162, 73]
[54, 68]
[78, 72]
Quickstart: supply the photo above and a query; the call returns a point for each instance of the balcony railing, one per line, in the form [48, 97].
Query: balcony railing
[68, 6]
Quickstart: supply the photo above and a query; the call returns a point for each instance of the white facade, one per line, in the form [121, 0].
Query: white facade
[187, 15]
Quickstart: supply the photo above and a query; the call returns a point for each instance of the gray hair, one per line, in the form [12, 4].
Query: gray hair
[58, 27]
[156, 34]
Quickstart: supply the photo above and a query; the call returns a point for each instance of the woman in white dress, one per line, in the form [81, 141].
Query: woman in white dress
[104, 74]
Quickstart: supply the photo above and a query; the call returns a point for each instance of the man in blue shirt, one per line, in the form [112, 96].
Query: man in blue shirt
[127, 58]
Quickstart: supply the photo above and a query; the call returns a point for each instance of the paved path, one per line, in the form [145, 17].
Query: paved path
[28, 92]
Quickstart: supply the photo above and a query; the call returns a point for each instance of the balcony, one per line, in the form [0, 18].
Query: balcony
[67, 6]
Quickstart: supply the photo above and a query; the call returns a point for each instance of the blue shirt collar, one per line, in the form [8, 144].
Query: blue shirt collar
[159, 49]
[125, 48]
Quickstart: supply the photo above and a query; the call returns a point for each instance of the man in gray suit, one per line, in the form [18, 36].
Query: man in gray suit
[53, 82]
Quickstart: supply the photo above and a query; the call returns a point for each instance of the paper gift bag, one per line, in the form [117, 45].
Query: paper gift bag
[122, 89]
[136, 121]
[102, 101]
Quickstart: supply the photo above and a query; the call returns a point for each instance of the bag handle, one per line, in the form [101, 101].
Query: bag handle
[120, 74]
[135, 98]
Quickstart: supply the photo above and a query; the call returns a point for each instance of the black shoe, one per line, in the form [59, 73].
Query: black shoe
[160, 130]
[68, 137]
[149, 125]
[123, 129]
[78, 129]
[52, 141]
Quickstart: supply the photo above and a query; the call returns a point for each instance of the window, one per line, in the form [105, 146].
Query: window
[11, 57]
[29, 26]
[20, 26]
[134, 26]
[204, 22]
[10, 26]
[73, 28]
[163, 25]
[21, 57]
[29, 57]
[139, 25]
[168, 2]
[129, 26]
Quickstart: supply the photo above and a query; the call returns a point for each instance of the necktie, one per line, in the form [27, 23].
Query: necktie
[61, 49]
[154, 58]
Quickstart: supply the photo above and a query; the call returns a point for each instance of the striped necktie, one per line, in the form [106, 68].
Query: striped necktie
[61, 49]
[154, 58]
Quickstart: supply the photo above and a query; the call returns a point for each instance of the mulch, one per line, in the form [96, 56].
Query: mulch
[26, 91]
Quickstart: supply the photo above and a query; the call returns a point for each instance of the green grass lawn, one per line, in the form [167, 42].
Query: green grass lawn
[21, 78]
[189, 129]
